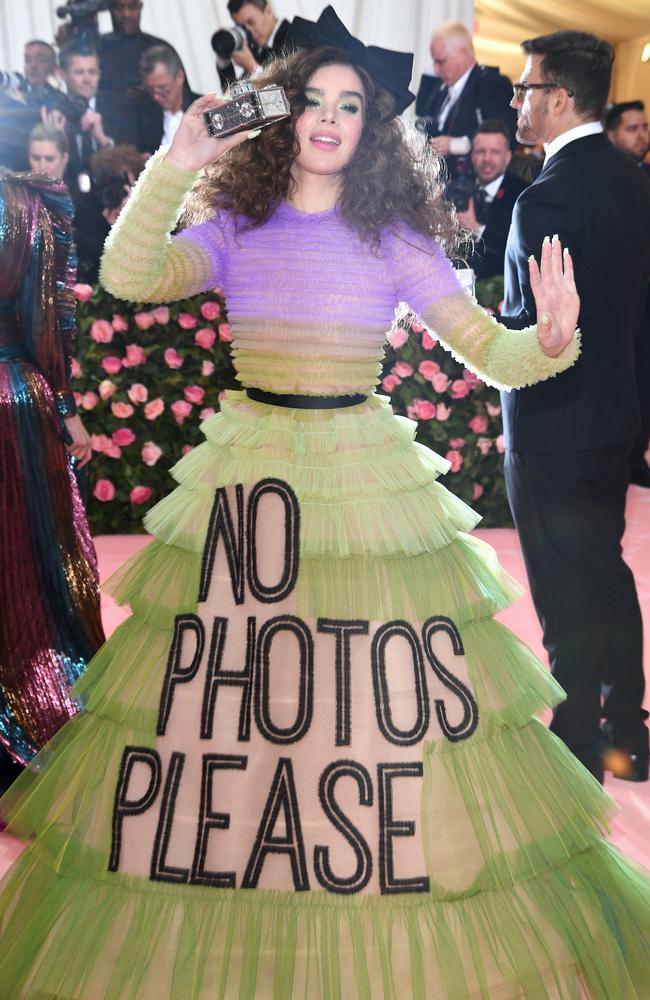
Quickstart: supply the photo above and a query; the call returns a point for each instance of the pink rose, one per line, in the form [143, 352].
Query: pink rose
[459, 389]
[440, 382]
[75, 368]
[89, 400]
[113, 450]
[453, 442]
[106, 388]
[154, 408]
[150, 453]
[122, 410]
[119, 324]
[111, 364]
[494, 411]
[124, 436]
[173, 358]
[456, 460]
[186, 321]
[181, 409]
[138, 393]
[472, 380]
[104, 490]
[161, 315]
[144, 320]
[207, 368]
[403, 369]
[398, 337]
[207, 411]
[101, 331]
[417, 328]
[478, 424]
[222, 395]
[140, 494]
[134, 356]
[210, 311]
[77, 398]
[194, 393]
[186, 449]
[484, 444]
[500, 306]
[225, 333]
[428, 369]
[99, 442]
[428, 341]
[390, 382]
[205, 337]
[500, 444]
[82, 292]
[424, 409]
[443, 412]
[477, 491]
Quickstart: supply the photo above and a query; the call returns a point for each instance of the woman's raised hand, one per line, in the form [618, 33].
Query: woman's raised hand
[192, 148]
[556, 298]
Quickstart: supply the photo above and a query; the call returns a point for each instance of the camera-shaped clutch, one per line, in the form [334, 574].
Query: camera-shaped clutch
[248, 109]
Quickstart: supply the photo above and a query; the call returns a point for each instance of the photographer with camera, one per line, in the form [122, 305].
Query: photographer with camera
[255, 38]
[27, 100]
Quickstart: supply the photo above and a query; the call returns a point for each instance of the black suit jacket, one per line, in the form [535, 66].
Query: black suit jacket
[486, 94]
[228, 75]
[151, 125]
[598, 202]
[489, 252]
[117, 125]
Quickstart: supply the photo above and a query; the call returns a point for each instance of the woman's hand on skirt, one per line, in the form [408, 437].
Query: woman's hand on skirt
[556, 298]
[80, 445]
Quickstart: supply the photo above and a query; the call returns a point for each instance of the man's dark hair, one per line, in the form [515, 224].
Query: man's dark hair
[39, 41]
[492, 126]
[615, 114]
[164, 54]
[578, 61]
[235, 5]
[72, 49]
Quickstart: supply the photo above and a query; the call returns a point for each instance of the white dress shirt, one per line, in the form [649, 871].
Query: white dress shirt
[579, 132]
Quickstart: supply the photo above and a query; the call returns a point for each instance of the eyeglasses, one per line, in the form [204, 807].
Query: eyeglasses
[520, 89]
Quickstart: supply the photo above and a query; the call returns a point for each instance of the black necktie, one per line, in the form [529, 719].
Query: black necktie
[87, 145]
[481, 205]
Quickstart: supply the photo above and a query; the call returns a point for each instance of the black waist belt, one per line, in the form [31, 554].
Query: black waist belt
[305, 402]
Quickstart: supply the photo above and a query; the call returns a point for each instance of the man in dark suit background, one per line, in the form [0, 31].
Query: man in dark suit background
[453, 104]
[568, 439]
[489, 210]
[266, 33]
[164, 80]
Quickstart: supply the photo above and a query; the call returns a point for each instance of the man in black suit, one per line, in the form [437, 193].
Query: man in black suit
[451, 105]
[164, 80]
[265, 38]
[489, 210]
[568, 439]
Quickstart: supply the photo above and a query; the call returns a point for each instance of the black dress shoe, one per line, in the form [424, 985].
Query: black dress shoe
[622, 763]
[640, 476]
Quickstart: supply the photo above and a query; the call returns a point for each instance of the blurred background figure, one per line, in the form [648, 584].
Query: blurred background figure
[626, 125]
[261, 36]
[50, 623]
[452, 104]
[164, 81]
[48, 151]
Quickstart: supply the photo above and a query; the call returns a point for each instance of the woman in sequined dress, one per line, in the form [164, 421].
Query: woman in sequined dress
[50, 624]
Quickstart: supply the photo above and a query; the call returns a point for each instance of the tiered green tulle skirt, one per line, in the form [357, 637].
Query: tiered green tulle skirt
[524, 900]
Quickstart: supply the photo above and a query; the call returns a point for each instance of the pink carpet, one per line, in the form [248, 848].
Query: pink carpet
[631, 825]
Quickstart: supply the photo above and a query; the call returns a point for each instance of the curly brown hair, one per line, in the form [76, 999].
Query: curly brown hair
[392, 177]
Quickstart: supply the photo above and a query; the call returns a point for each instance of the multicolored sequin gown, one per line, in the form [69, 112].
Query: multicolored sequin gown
[309, 765]
[49, 599]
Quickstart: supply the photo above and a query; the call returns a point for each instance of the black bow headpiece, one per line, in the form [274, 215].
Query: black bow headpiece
[390, 69]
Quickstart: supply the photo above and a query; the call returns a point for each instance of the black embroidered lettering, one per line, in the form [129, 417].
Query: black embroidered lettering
[215, 676]
[469, 721]
[262, 696]
[274, 592]
[343, 630]
[221, 525]
[390, 828]
[132, 807]
[326, 787]
[160, 871]
[282, 797]
[380, 640]
[210, 820]
[175, 673]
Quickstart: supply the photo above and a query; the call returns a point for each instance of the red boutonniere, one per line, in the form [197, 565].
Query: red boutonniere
[500, 194]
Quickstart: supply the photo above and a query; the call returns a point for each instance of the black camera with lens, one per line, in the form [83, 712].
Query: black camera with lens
[225, 41]
[459, 191]
[110, 189]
